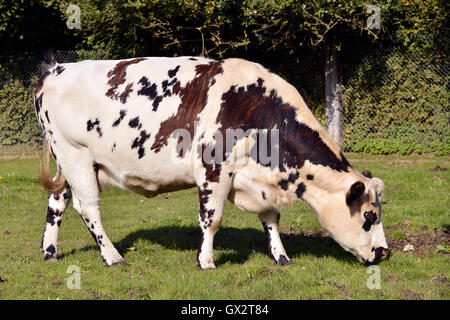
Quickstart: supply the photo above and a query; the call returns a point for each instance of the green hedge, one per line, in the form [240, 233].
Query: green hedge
[394, 104]
[18, 78]
[397, 103]
[18, 124]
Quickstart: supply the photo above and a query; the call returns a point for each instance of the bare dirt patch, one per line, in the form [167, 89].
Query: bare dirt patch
[8, 158]
[438, 168]
[395, 187]
[399, 162]
[441, 279]
[94, 294]
[306, 233]
[422, 243]
[411, 295]
[391, 277]
[342, 288]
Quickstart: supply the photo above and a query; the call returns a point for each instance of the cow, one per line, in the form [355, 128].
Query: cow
[145, 124]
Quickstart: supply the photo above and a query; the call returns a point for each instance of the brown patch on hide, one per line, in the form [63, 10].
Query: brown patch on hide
[117, 76]
[40, 83]
[194, 97]
[253, 107]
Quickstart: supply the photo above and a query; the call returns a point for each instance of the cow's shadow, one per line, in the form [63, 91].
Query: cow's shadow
[235, 244]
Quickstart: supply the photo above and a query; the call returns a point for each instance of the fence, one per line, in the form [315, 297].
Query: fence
[19, 73]
[396, 100]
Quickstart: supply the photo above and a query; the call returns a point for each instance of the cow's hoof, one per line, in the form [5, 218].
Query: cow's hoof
[115, 263]
[120, 263]
[284, 261]
[52, 258]
[205, 265]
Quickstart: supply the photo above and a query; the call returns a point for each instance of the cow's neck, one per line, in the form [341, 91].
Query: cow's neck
[314, 180]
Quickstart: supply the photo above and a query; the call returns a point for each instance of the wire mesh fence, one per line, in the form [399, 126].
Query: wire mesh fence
[396, 100]
[19, 73]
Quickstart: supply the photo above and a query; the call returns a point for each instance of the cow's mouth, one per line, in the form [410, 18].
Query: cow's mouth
[381, 254]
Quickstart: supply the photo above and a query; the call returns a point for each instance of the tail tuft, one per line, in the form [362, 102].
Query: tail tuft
[48, 60]
[52, 185]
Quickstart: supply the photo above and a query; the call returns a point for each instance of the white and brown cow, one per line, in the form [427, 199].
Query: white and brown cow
[119, 123]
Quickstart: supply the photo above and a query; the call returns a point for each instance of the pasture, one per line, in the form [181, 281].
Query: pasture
[159, 238]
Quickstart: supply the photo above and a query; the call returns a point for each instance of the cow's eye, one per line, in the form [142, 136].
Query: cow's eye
[370, 217]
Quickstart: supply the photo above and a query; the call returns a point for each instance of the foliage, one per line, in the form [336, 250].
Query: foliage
[397, 103]
[286, 36]
[218, 28]
[32, 25]
[443, 247]
[18, 124]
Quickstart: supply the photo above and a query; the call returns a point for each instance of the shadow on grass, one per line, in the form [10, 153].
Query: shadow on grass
[241, 243]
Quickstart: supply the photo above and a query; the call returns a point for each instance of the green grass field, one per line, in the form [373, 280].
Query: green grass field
[159, 238]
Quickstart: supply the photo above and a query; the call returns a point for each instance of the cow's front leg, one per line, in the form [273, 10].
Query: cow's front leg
[270, 221]
[212, 197]
[57, 203]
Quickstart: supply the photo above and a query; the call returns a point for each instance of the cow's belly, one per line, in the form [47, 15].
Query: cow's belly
[149, 176]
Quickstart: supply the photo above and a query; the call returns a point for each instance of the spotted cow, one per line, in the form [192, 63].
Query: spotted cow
[145, 125]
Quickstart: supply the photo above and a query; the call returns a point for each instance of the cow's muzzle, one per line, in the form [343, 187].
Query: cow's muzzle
[381, 254]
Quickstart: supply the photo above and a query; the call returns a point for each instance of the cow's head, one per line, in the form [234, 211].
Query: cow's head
[354, 220]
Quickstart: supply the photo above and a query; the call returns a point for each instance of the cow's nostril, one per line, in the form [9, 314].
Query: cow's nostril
[381, 254]
[384, 253]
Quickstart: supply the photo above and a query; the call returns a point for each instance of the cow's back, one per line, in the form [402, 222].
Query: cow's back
[116, 109]
[125, 112]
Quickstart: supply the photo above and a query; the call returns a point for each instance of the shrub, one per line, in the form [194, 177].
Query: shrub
[18, 124]
[397, 103]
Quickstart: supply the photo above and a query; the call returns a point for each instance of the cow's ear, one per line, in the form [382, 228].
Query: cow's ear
[366, 173]
[356, 190]
[376, 189]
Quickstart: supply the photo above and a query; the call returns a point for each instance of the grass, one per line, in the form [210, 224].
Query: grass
[159, 238]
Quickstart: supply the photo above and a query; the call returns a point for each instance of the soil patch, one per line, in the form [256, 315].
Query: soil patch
[8, 158]
[438, 168]
[306, 233]
[411, 295]
[423, 243]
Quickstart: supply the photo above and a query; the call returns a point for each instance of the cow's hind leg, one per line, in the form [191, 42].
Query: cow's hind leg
[90, 213]
[80, 171]
[270, 221]
[57, 203]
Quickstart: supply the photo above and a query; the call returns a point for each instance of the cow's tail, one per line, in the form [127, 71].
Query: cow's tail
[48, 60]
[52, 185]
